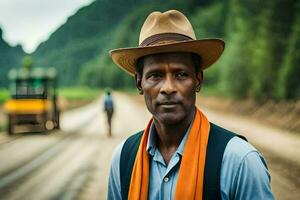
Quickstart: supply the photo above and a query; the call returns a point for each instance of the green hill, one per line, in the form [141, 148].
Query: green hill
[89, 33]
[258, 61]
[83, 37]
[10, 57]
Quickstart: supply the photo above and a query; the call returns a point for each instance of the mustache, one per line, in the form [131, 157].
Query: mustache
[167, 101]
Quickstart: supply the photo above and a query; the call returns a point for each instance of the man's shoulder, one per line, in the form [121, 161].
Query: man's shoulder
[242, 164]
[117, 154]
[133, 140]
[239, 152]
[238, 148]
[129, 151]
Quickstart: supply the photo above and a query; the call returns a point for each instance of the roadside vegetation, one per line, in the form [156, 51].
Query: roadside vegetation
[79, 93]
[4, 95]
[74, 97]
[69, 93]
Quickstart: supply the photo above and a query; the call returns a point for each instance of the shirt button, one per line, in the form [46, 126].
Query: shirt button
[166, 179]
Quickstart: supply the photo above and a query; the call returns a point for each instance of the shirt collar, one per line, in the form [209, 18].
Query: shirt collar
[151, 143]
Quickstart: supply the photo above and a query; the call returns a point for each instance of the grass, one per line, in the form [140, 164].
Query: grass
[2, 127]
[79, 93]
[70, 93]
[4, 95]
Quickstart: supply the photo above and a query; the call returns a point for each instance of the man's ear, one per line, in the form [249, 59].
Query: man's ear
[138, 83]
[199, 78]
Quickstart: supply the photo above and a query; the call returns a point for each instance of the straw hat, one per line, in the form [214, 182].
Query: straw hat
[166, 32]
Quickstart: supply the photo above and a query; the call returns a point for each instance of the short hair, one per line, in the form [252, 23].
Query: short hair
[195, 58]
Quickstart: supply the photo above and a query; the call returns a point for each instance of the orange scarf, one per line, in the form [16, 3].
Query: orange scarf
[191, 172]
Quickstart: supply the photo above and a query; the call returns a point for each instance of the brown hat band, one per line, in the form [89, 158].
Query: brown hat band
[162, 38]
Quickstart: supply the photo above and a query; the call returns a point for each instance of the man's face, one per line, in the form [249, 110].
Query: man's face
[169, 83]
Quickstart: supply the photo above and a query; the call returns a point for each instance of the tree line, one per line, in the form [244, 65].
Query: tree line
[261, 58]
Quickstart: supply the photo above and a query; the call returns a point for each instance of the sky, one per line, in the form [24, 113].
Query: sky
[30, 22]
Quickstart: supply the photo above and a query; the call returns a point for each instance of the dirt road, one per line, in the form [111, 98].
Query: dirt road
[279, 147]
[74, 163]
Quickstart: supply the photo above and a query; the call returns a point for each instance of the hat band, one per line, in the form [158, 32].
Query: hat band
[162, 37]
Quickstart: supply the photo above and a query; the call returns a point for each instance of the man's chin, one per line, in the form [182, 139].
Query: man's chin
[169, 119]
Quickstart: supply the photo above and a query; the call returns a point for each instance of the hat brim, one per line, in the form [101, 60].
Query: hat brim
[209, 50]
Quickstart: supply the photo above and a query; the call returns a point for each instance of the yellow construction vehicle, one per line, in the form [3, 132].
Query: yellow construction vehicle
[33, 104]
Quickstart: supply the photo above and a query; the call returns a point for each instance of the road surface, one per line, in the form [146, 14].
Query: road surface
[74, 163]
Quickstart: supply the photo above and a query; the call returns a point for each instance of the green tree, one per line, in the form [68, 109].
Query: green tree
[262, 70]
[27, 63]
[234, 64]
[289, 82]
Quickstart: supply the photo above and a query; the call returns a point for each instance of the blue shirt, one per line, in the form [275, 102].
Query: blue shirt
[244, 174]
[108, 102]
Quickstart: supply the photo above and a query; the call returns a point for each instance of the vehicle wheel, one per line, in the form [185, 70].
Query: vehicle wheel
[56, 121]
[44, 123]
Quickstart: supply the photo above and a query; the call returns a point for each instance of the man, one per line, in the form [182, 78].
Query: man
[180, 154]
[109, 109]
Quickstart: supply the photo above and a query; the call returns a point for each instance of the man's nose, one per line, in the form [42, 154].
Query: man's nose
[168, 86]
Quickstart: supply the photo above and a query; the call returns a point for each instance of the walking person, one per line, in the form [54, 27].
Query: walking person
[109, 109]
[180, 154]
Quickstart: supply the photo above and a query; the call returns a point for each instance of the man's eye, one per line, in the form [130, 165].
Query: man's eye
[154, 76]
[181, 75]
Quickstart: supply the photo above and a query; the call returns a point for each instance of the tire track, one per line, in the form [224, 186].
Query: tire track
[9, 178]
[9, 140]
[49, 181]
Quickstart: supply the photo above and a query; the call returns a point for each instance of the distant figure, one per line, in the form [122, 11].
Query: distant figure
[109, 109]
